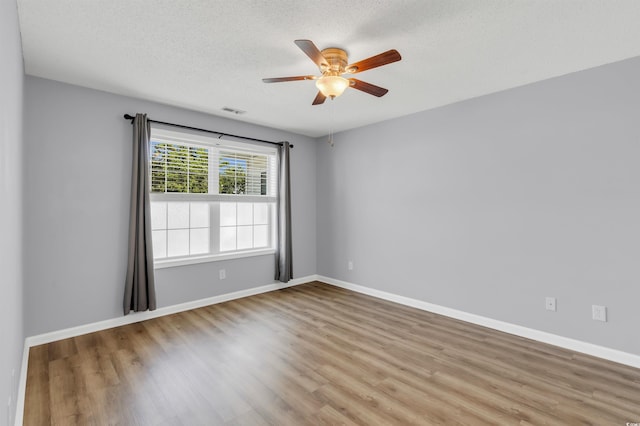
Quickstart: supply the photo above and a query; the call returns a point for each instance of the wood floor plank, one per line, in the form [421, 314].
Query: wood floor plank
[37, 390]
[320, 355]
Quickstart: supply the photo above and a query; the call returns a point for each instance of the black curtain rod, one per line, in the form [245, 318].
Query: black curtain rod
[131, 117]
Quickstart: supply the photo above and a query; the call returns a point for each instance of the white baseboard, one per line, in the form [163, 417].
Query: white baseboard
[529, 333]
[22, 386]
[166, 310]
[130, 319]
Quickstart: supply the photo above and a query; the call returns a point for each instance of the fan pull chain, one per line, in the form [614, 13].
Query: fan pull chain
[331, 115]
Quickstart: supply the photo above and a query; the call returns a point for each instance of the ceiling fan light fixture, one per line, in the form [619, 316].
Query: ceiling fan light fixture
[332, 85]
[333, 63]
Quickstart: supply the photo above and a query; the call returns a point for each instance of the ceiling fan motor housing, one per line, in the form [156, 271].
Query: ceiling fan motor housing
[337, 60]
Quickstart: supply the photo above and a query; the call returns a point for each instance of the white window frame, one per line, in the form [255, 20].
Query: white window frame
[218, 144]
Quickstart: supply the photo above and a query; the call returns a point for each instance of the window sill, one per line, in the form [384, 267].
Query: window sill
[170, 263]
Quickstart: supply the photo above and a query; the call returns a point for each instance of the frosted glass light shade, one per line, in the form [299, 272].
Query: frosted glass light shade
[332, 85]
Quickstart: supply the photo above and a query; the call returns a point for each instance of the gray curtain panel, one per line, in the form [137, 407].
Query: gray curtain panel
[284, 265]
[139, 290]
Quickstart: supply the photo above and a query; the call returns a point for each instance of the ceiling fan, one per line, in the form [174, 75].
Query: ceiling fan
[332, 63]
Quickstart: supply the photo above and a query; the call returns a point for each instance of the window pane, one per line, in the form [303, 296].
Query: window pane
[232, 173]
[261, 214]
[158, 156]
[257, 174]
[199, 215]
[260, 236]
[245, 213]
[227, 214]
[245, 237]
[178, 215]
[198, 170]
[179, 168]
[158, 215]
[159, 239]
[178, 242]
[199, 241]
[227, 238]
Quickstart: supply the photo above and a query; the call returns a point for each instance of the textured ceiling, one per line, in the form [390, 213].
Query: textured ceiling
[205, 55]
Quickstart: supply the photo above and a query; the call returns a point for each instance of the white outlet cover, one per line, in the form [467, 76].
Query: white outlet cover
[223, 274]
[350, 265]
[599, 313]
[550, 303]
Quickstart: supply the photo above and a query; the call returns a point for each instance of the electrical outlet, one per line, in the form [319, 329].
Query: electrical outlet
[223, 274]
[350, 265]
[550, 303]
[599, 313]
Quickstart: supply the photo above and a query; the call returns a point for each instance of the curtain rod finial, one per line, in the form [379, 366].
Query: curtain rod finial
[129, 117]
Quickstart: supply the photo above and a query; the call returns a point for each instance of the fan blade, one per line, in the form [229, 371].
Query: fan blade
[281, 79]
[385, 58]
[320, 98]
[312, 51]
[369, 88]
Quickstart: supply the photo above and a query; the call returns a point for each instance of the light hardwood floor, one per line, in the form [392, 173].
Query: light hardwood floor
[316, 354]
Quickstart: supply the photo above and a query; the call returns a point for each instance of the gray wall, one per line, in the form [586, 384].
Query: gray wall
[489, 205]
[485, 206]
[11, 188]
[77, 179]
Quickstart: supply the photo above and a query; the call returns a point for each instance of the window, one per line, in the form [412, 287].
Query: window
[210, 198]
